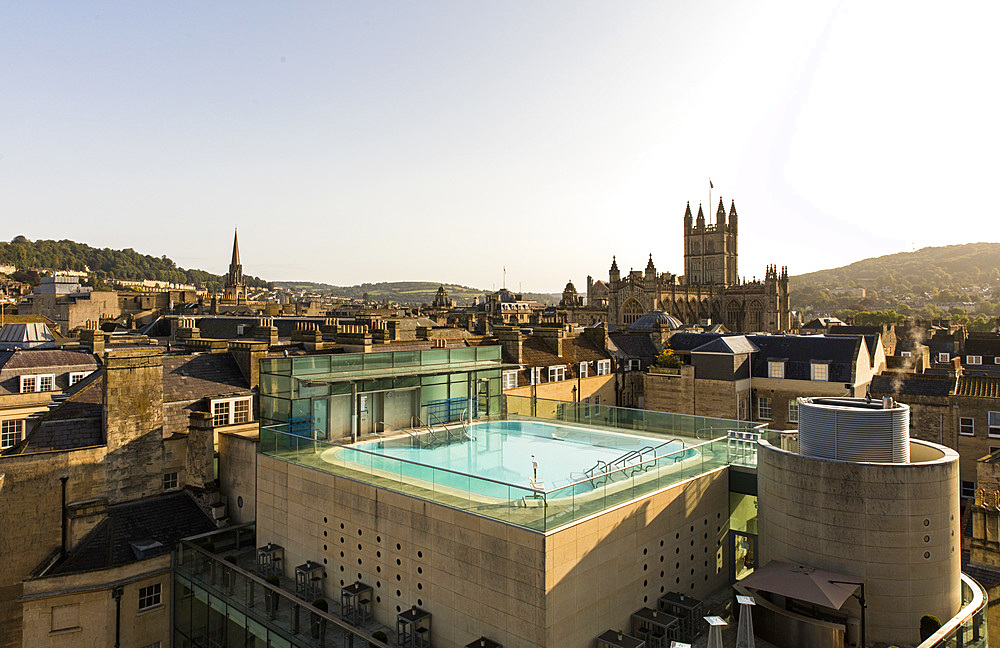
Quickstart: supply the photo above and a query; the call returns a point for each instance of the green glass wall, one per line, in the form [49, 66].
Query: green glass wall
[442, 379]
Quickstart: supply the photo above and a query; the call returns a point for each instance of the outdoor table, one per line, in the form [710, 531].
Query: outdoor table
[354, 606]
[308, 581]
[413, 628]
[654, 627]
[269, 559]
[686, 608]
[611, 639]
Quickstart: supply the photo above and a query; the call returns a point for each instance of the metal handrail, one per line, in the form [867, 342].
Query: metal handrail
[412, 436]
[669, 454]
[977, 603]
[339, 623]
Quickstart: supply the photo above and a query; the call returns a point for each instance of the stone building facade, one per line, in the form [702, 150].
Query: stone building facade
[710, 289]
[137, 432]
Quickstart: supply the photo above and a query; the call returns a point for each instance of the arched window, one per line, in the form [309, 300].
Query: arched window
[631, 311]
[756, 313]
[734, 317]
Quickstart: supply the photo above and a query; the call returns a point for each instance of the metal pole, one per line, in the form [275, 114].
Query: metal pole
[116, 594]
[864, 608]
[864, 624]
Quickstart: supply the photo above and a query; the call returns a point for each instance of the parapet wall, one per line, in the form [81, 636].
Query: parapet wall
[894, 526]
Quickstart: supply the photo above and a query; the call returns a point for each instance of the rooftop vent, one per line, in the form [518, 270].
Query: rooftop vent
[146, 548]
[854, 429]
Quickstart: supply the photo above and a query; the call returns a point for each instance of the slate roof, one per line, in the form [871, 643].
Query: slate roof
[912, 385]
[690, 341]
[633, 346]
[987, 347]
[192, 377]
[76, 423]
[535, 352]
[46, 359]
[844, 329]
[978, 386]
[797, 351]
[728, 344]
[165, 519]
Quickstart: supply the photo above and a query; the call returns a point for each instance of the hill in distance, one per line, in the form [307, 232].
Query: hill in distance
[106, 263]
[410, 293]
[953, 273]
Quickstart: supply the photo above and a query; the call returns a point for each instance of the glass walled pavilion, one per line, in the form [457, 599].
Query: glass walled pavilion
[351, 395]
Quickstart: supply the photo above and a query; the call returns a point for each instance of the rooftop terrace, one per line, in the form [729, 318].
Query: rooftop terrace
[674, 448]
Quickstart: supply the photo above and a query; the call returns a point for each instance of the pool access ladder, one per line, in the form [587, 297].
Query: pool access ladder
[639, 459]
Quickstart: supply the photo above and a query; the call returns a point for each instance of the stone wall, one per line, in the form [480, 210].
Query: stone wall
[238, 475]
[894, 526]
[563, 390]
[31, 520]
[133, 420]
[78, 609]
[482, 577]
[600, 570]
[477, 576]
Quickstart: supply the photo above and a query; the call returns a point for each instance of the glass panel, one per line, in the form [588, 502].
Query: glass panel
[434, 356]
[311, 365]
[345, 362]
[463, 355]
[377, 361]
[405, 358]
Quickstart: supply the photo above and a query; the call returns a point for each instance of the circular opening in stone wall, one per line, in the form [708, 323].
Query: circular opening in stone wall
[927, 554]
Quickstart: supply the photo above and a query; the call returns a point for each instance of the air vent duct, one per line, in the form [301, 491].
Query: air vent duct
[854, 429]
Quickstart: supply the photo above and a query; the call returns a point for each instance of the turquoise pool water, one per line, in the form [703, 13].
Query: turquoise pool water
[502, 451]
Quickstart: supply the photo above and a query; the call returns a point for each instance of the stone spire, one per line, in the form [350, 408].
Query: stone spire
[700, 223]
[732, 214]
[236, 250]
[720, 214]
[615, 275]
[235, 289]
[687, 218]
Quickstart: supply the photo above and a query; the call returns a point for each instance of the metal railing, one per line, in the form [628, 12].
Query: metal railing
[967, 629]
[235, 593]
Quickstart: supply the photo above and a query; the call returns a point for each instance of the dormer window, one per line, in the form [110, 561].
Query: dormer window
[38, 383]
[819, 371]
[557, 373]
[584, 368]
[603, 367]
[509, 379]
[77, 376]
[775, 369]
[231, 411]
[944, 357]
[974, 359]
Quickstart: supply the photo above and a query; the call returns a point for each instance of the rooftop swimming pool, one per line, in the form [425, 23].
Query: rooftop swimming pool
[560, 460]
[590, 458]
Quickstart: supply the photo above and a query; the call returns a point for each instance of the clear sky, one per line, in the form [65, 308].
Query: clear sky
[443, 141]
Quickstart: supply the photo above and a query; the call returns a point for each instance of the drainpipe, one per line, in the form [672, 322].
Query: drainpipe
[63, 540]
[116, 594]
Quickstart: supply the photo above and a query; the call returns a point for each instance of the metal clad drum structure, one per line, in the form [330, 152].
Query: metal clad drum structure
[853, 429]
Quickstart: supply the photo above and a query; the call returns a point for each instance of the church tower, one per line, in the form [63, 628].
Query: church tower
[710, 251]
[235, 290]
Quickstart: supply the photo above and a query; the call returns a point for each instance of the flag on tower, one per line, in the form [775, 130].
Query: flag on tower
[710, 185]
